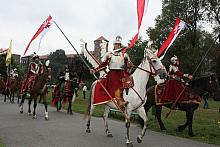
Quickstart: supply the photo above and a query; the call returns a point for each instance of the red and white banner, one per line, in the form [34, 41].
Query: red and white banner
[140, 13]
[42, 30]
[179, 25]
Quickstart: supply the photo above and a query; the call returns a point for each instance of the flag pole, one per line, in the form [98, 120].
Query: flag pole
[93, 74]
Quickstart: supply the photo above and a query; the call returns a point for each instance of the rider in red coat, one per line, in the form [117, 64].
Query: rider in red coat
[176, 84]
[117, 70]
[35, 68]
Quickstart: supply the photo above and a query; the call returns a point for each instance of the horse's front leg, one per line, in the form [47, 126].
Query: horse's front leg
[88, 130]
[70, 105]
[105, 117]
[29, 106]
[190, 114]
[142, 114]
[45, 105]
[21, 103]
[35, 105]
[127, 125]
[158, 115]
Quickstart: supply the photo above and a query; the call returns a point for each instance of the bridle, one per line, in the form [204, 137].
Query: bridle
[153, 71]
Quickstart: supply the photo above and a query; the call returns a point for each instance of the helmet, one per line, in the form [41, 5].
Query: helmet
[117, 40]
[174, 59]
[15, 69]
[35, 56]
[149, 43]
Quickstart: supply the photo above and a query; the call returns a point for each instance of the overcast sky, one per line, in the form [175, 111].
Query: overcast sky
[87, 19]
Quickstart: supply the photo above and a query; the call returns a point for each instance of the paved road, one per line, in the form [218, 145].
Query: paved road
[62, 130]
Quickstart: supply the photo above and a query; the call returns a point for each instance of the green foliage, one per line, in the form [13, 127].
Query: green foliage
[136, 53]
[58, 60]
[3, 68]
[192, 44]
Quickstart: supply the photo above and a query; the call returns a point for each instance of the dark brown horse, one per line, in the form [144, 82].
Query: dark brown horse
[65, 93]
[199, 86]
[14, 85]
[39, 89]
[4, 90]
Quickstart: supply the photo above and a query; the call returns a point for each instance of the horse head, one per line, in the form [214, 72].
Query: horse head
[214, 87]
[156, 67]
[206, 84]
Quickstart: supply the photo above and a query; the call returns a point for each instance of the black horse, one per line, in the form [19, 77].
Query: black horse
[200, 86]
[67, 95]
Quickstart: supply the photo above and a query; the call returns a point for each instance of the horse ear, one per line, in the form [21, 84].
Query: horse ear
[156, 52]
[47, 63]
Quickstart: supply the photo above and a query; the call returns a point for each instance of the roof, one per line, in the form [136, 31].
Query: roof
[101, 38]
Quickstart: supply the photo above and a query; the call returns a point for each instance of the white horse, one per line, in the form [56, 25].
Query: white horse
[136, 97]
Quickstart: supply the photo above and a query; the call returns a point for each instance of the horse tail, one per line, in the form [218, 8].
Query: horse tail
[89, 102]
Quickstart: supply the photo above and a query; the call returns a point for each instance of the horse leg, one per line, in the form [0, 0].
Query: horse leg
[5, 98]
[189, 120]
[70, 105]
[29, 106]
[57, 103]
[18, 96]
[60, 104]
[142, 114]
[127, 125]
[158, 115]
[183, 127]
[88, 130]
[45, 105]
[34, 112]
[105, 117]
[21, 103]
[13, 97]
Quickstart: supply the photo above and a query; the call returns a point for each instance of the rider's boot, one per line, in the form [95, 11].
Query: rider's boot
[119, 99]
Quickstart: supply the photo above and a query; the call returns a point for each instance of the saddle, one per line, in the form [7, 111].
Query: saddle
[164, 96]
[127, 82]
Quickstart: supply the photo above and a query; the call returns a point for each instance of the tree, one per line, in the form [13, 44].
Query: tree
[58, 60]
[191, 44]
[136, 53]
[3, 68]
[212, 14]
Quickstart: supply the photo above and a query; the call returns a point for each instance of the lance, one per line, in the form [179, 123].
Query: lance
[87, 65]
[174, 104]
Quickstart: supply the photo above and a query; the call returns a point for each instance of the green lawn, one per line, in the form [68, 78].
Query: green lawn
[205, 124]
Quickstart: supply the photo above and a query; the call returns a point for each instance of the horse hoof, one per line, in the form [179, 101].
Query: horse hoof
[34, 116]
[29, 113]
[180, 129]
[139, 140]
[88, 131]
[46, 118]
[129, 144]
[109, 135]
[21, 112]
[191, 134]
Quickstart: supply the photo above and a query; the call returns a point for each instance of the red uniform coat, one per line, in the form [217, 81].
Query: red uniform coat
[112, 82]
[33, 71]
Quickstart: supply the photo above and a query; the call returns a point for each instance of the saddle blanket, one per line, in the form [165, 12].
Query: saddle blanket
[99, 94]
[162, 97]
